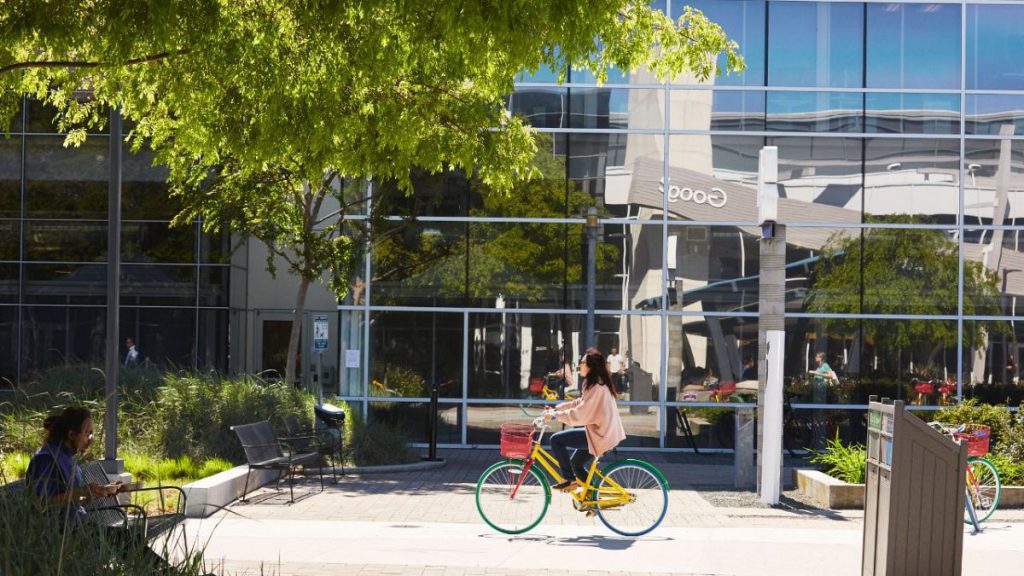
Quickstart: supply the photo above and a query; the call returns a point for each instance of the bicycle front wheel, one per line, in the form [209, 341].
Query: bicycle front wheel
[632, 497]
[511, 498]
[983, 487]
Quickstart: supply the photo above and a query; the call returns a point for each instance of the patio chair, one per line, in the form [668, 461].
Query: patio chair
[264, 451]
[148, 526]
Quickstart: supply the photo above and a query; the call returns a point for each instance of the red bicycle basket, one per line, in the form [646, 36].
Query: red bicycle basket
[977, 438]
[516, 440]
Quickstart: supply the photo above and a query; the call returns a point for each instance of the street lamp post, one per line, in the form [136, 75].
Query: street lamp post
[592, 227]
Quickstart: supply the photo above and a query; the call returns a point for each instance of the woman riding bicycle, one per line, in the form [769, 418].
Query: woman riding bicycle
[596, 411]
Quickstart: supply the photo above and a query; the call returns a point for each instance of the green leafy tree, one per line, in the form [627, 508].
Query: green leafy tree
[901, 271]
[263, 109]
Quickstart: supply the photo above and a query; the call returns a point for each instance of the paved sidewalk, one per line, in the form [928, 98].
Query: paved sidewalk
[420, 523]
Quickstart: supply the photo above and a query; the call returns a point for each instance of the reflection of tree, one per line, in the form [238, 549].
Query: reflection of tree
[520, 261]
[902, 271]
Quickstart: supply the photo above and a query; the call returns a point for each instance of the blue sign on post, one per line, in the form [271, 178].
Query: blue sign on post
[320, 332]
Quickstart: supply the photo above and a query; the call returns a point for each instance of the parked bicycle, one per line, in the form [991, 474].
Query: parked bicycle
[629, 496]
[982, 482]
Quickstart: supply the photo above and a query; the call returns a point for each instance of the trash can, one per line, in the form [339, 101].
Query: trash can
[914, 500]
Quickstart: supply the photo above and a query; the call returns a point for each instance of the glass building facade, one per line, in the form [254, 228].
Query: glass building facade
[53, 259]
[900, 135]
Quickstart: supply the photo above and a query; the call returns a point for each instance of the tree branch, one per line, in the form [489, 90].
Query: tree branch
[86, 64]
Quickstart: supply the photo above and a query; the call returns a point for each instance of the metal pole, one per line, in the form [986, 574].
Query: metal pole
[592, 227]
[111, 464]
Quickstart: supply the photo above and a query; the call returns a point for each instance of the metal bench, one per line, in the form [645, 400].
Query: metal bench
[264, 451]
[148, 526]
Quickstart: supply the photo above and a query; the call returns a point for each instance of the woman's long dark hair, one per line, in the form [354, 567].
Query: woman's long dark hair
[58, 426]
[598, 373]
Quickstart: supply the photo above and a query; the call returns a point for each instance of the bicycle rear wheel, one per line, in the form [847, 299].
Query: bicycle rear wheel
[633, 497]
[983, 487]
[511, 499]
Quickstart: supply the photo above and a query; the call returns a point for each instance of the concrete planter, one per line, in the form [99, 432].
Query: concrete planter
[829, 492]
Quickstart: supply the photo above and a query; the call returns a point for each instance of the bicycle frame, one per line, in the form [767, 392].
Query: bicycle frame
[609, 495]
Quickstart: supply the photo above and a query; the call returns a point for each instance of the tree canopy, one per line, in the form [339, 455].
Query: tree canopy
[264, 110]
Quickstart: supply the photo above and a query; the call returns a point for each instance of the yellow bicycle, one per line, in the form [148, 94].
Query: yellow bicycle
[629, 496]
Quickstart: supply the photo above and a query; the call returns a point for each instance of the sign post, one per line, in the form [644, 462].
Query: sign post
[321, 335]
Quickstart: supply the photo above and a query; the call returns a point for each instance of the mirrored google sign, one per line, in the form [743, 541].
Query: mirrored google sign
[715, 197]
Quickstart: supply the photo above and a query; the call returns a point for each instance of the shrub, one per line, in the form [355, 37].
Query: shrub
[213, 466]
[13, 465]
[997, 418]
[393, 380]
[1011, 471]
[378, 443]
[845, 462]
[1013, 444]
[194, 413]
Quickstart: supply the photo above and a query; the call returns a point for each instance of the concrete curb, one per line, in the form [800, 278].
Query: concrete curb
[387, 468]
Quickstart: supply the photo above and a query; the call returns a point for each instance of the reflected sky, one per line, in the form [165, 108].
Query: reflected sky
[815, 44]
[913, 45]
[993, 47]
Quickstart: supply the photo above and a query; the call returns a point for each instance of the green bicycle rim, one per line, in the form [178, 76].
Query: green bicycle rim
[984, 515]
[543, 481]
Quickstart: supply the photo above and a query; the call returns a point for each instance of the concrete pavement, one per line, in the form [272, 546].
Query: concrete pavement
[426, 523]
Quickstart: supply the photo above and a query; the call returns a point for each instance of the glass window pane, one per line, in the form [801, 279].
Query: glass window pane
[713, 268]
[8, 346]
[912, 178]
[215, 247]
[607, 168]
[351, 341]
[57, 336]
[540, 107]
[993, 272]
[990, 197]
[613, 108]
[819, 181]
[897, 351]
[10, 232]
[994, 36]
[717, 110]
[541, 197]
[164, 337]
[815, 111]
[412, 417]
[706, 358]
[213, 285]
[66, 182]
[213, 340]
[711, 178]
[994, 114]
[742, 21]
[442, 194]
[157, 242]
[412, 351]
[65, 283]
[991, 364]
[522, 265]
[815, 44]
[10, 177]
[9, 275]
[710, 427]
[913, 45]
[55, 241]
[151, 285]
[912, 113]
[145, 194]
[419, 263]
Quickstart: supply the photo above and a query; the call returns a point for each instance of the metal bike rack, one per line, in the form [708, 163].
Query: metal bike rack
[914, 505]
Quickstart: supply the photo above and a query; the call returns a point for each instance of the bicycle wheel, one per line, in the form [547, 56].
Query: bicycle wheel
[510, 501]
[633, 497]
[983, 487]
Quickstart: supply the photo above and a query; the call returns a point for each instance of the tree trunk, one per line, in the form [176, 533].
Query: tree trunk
[293, 342]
